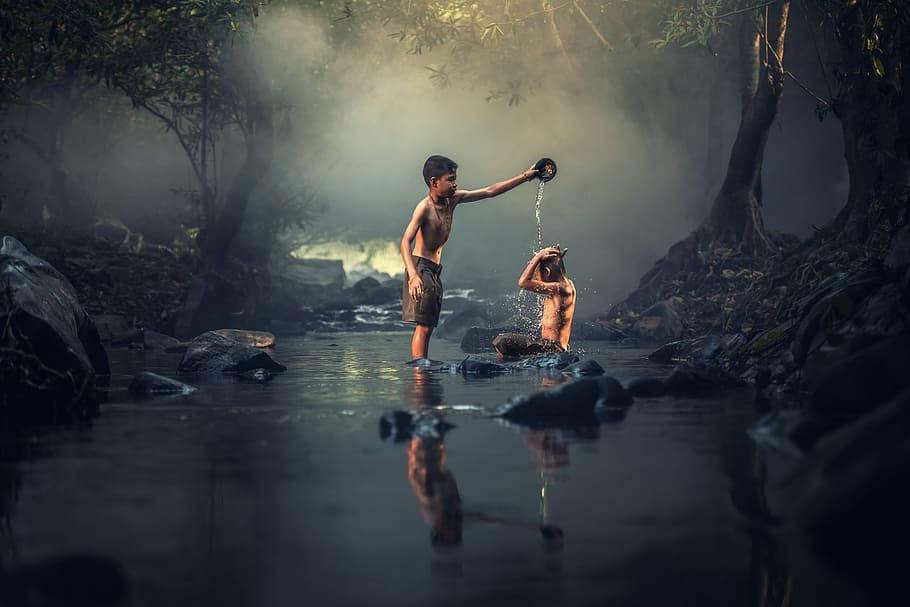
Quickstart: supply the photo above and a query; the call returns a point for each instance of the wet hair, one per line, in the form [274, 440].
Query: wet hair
[437, 166]
[553, 263]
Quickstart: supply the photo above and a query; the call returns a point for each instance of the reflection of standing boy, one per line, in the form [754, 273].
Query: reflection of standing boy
[430, 225]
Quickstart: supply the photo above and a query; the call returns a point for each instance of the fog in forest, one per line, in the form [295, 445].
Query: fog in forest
[358, 120]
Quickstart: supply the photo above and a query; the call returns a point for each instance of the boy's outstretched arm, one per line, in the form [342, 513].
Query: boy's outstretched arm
[526, 280]
[494, 190]
[415, 285]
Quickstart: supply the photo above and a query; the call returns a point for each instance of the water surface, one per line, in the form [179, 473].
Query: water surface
[283, 493]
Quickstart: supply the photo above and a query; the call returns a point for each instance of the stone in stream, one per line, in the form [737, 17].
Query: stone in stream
[549, 360]
[575, 402]
[151, 383]
[583, 368]
[52, 351]
[700, 380]
[478, 367]
[256, 339]
[211, 353]
[257, 375]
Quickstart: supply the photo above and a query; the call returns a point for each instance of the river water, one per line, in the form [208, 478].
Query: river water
[284, 493]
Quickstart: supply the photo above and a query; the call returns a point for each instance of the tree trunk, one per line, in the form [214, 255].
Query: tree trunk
[259, 142]
[736, 218]
[875, 114]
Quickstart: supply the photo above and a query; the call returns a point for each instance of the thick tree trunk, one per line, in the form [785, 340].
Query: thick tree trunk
[259, 144]
[875, 114]
[736, 218]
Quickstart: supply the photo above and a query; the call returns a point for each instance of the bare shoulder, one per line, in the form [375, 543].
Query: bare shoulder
[570, 288]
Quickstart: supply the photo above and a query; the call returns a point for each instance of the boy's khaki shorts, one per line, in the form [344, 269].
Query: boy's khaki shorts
[424, 311]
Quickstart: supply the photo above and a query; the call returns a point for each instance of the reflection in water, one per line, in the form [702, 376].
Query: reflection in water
[745, 465]
[436, 491]
[424, 391]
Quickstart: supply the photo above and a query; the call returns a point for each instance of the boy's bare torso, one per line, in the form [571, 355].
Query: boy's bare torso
[435, 228]
[558, 311]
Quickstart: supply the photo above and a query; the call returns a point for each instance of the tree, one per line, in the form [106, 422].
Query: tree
[872, 102]
[53, 60]
[190, 64]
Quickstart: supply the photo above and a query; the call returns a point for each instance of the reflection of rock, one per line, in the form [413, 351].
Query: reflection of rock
[857, 497]
[584, 367]
[77, 580]
[647, 386]
[698, 349]
[550, 360]
[401, 425]
[573, 402]
[52, 350]
[700, 380]
[213, 353]
[152, 383]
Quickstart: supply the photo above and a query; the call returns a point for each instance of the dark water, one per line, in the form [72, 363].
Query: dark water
[284, 494]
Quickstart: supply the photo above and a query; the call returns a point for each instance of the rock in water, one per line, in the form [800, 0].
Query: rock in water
[51, 349]
[700, 380]
[477, 367]
[572, 403]
[550, 360]
[152, 383]
[479, 339]
[584, 367]
[213, 353]
[256, 339]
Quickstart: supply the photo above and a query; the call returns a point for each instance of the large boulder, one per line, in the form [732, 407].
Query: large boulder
[575, 402]
[50, 350]
[211, 353]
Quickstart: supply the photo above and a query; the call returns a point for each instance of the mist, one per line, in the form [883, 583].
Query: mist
[360, 118]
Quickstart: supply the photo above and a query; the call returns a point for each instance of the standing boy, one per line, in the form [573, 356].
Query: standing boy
[545, 274]
[430, 225]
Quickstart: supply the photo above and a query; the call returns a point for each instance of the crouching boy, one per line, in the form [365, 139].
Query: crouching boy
[545, 274]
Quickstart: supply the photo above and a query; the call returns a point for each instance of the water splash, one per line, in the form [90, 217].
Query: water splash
[537, 214]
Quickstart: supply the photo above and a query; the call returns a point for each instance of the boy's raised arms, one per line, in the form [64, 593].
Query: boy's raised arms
[493, 190]
[527, 282]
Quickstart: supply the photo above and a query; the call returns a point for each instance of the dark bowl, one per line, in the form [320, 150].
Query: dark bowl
[546, 169]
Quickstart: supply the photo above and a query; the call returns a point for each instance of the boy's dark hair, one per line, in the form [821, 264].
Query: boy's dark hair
[437, 166]
[554, 263]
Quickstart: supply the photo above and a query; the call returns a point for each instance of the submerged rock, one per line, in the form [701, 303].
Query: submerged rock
[213, 353]
[549, 360]
[478, 367]
[572, 403]
[857, 495]
[152, 383]
[700, 380]
[584, 367]
[257, 375]
[51, 348]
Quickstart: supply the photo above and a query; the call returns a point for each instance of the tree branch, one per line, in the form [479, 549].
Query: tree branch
[741, 10]
[597, 33]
